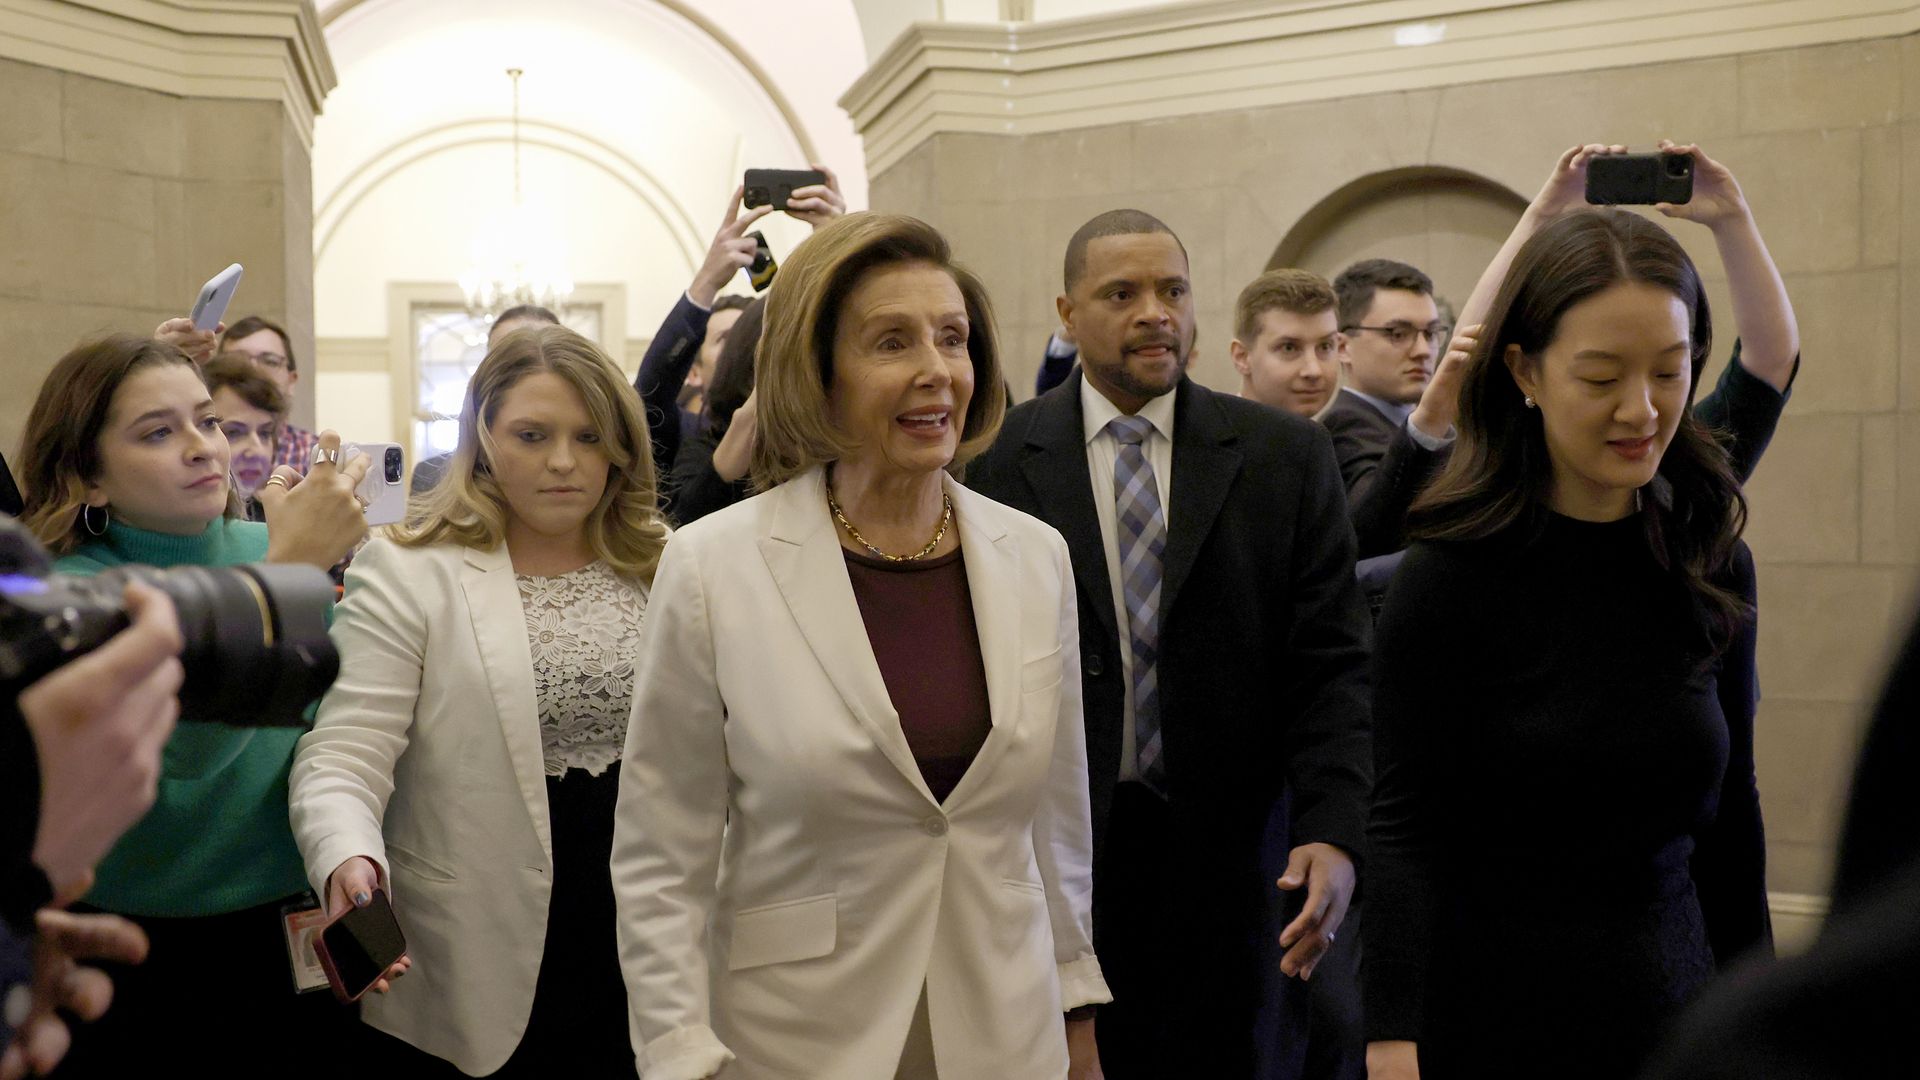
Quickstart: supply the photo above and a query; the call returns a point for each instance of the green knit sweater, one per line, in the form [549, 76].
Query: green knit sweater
[217, 839]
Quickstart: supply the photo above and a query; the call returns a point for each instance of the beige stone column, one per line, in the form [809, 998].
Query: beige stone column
[143, 146]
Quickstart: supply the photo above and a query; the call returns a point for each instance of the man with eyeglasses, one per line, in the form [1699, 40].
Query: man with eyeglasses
[266, 342]
[1392, 422]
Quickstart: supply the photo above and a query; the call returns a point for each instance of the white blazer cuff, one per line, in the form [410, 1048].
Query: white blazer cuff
[1080, 984]
[688, 1053]
[337, 849]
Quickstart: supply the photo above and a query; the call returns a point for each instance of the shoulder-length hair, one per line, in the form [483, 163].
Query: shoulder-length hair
[60, 453]
[732, 379]
[466, 507]
[1500, 475]
[795, 361]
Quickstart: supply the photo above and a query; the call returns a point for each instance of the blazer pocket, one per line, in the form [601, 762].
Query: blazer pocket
[1032, 888]
[778, 933]
[1042, 673]
[414, 865]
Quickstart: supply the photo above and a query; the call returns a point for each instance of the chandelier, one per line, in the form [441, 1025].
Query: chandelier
[518, 257]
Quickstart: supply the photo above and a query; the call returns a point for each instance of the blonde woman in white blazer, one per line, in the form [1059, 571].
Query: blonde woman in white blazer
[853, 838]
[467, 758]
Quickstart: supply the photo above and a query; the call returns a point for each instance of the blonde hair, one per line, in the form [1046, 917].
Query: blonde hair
[466, 507]
[794, 363]
[61, 449]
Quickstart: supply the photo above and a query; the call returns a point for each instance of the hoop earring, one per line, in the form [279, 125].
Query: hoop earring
[86, 520]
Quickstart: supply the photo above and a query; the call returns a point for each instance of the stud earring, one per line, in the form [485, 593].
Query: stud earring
[1530, 402]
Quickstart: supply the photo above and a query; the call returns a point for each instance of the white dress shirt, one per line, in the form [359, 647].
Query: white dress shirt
[1102, 449]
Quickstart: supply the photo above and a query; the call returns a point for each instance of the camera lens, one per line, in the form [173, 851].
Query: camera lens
[756, 196]
[394, 464]
[1679, 165]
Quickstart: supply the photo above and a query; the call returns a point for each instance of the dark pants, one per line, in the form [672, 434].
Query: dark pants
[214, 999]
[1308, 1030]
[1183, 990]
[579, 1023]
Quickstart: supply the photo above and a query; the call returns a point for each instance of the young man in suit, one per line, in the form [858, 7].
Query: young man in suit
[1388, 427]
[1222, 659]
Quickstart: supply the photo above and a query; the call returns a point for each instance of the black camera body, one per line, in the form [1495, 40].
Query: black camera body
[256, 648]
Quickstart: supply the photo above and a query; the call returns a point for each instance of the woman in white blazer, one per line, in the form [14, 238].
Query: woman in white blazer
[853, 838]
[467, 758]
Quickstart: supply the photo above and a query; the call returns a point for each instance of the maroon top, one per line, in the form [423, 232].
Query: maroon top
[919, 618]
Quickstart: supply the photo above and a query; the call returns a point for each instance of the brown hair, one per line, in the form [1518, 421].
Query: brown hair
[795, 360]
[238, 372]
[252, 325]
[466, 507]
[1500, 474]
[1297, 292]
[1357, 283]
[61, 449]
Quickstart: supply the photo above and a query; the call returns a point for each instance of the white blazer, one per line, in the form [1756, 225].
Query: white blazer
[768, 794]
[426, 757]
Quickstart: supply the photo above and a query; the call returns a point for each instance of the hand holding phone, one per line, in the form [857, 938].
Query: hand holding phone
[359, 945]
[211, 305]
[383, 491]
[774, 187]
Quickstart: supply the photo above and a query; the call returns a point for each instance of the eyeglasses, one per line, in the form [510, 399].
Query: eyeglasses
[273, 360]
[1401, 335]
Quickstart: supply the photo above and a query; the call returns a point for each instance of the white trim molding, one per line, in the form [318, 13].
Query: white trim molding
[258, 50]
[1797, 918]
[1213, 55]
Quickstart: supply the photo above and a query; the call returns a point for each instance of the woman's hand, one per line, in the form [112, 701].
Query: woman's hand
[197, 344]
[1083, 1053]
[1566, 186]
[1397, 1060]
[316, 520]
[817, 204]
[61, 984]
[731, 251]
[1717, 199]
[733, 457]
[351, 885]
[1440, 402]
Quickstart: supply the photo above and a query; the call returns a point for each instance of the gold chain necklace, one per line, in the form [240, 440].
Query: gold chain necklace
[946, 519]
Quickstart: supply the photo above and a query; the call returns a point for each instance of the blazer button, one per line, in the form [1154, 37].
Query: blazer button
[1094, 666]
[935, 826]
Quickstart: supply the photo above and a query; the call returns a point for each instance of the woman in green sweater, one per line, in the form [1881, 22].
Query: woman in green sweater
[125, 462]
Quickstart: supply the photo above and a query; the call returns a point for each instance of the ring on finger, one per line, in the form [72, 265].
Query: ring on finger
[275, 479]
[331, 457]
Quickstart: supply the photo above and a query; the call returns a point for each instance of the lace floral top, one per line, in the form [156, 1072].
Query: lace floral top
[584, 631]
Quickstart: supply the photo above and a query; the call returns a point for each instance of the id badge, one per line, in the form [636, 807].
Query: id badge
[300, 922]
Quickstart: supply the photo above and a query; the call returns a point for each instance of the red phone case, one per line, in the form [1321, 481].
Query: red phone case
[326, 958]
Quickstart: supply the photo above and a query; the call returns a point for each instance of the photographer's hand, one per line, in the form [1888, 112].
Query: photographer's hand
[1564, 191]
[817, 204]
[731, 251]
[61, 940]
[98, 725]
[317, 519]
[198, 344]
[351, 885]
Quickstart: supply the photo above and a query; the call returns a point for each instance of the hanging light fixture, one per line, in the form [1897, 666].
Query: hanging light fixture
[517, 258]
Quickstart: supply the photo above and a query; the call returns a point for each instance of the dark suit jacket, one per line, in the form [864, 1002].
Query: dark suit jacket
[663, 371]
[1262, 642]
[10, 501]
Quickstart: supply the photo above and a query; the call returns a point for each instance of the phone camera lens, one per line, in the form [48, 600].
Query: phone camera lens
[1679, 165]
[756, 196]
[393, 465]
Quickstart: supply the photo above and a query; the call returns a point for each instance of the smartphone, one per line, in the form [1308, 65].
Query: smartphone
[1640, 179]
[763, 268]
[357, 946]
[773, 187]
[211, 306]
[384, 488]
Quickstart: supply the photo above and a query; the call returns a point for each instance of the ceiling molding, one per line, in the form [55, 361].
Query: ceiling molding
[255, 50]
[1179, 60]
[369, 175]
[705, 26]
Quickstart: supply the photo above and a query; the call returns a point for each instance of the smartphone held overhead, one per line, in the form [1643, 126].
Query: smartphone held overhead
[773, 187]
[1640, 179]
[211, 305]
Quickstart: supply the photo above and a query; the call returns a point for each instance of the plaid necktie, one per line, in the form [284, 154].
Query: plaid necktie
[1143, 540]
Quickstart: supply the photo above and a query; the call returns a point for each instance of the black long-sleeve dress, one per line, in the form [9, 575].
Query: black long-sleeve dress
[1565, 838]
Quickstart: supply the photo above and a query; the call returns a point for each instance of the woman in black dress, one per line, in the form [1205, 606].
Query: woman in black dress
[1565, 839]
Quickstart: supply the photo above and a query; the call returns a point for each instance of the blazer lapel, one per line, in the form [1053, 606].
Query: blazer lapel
[995, 581]
[804, 556]
[500, 632]
[1055, 464]
[1205, 463]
